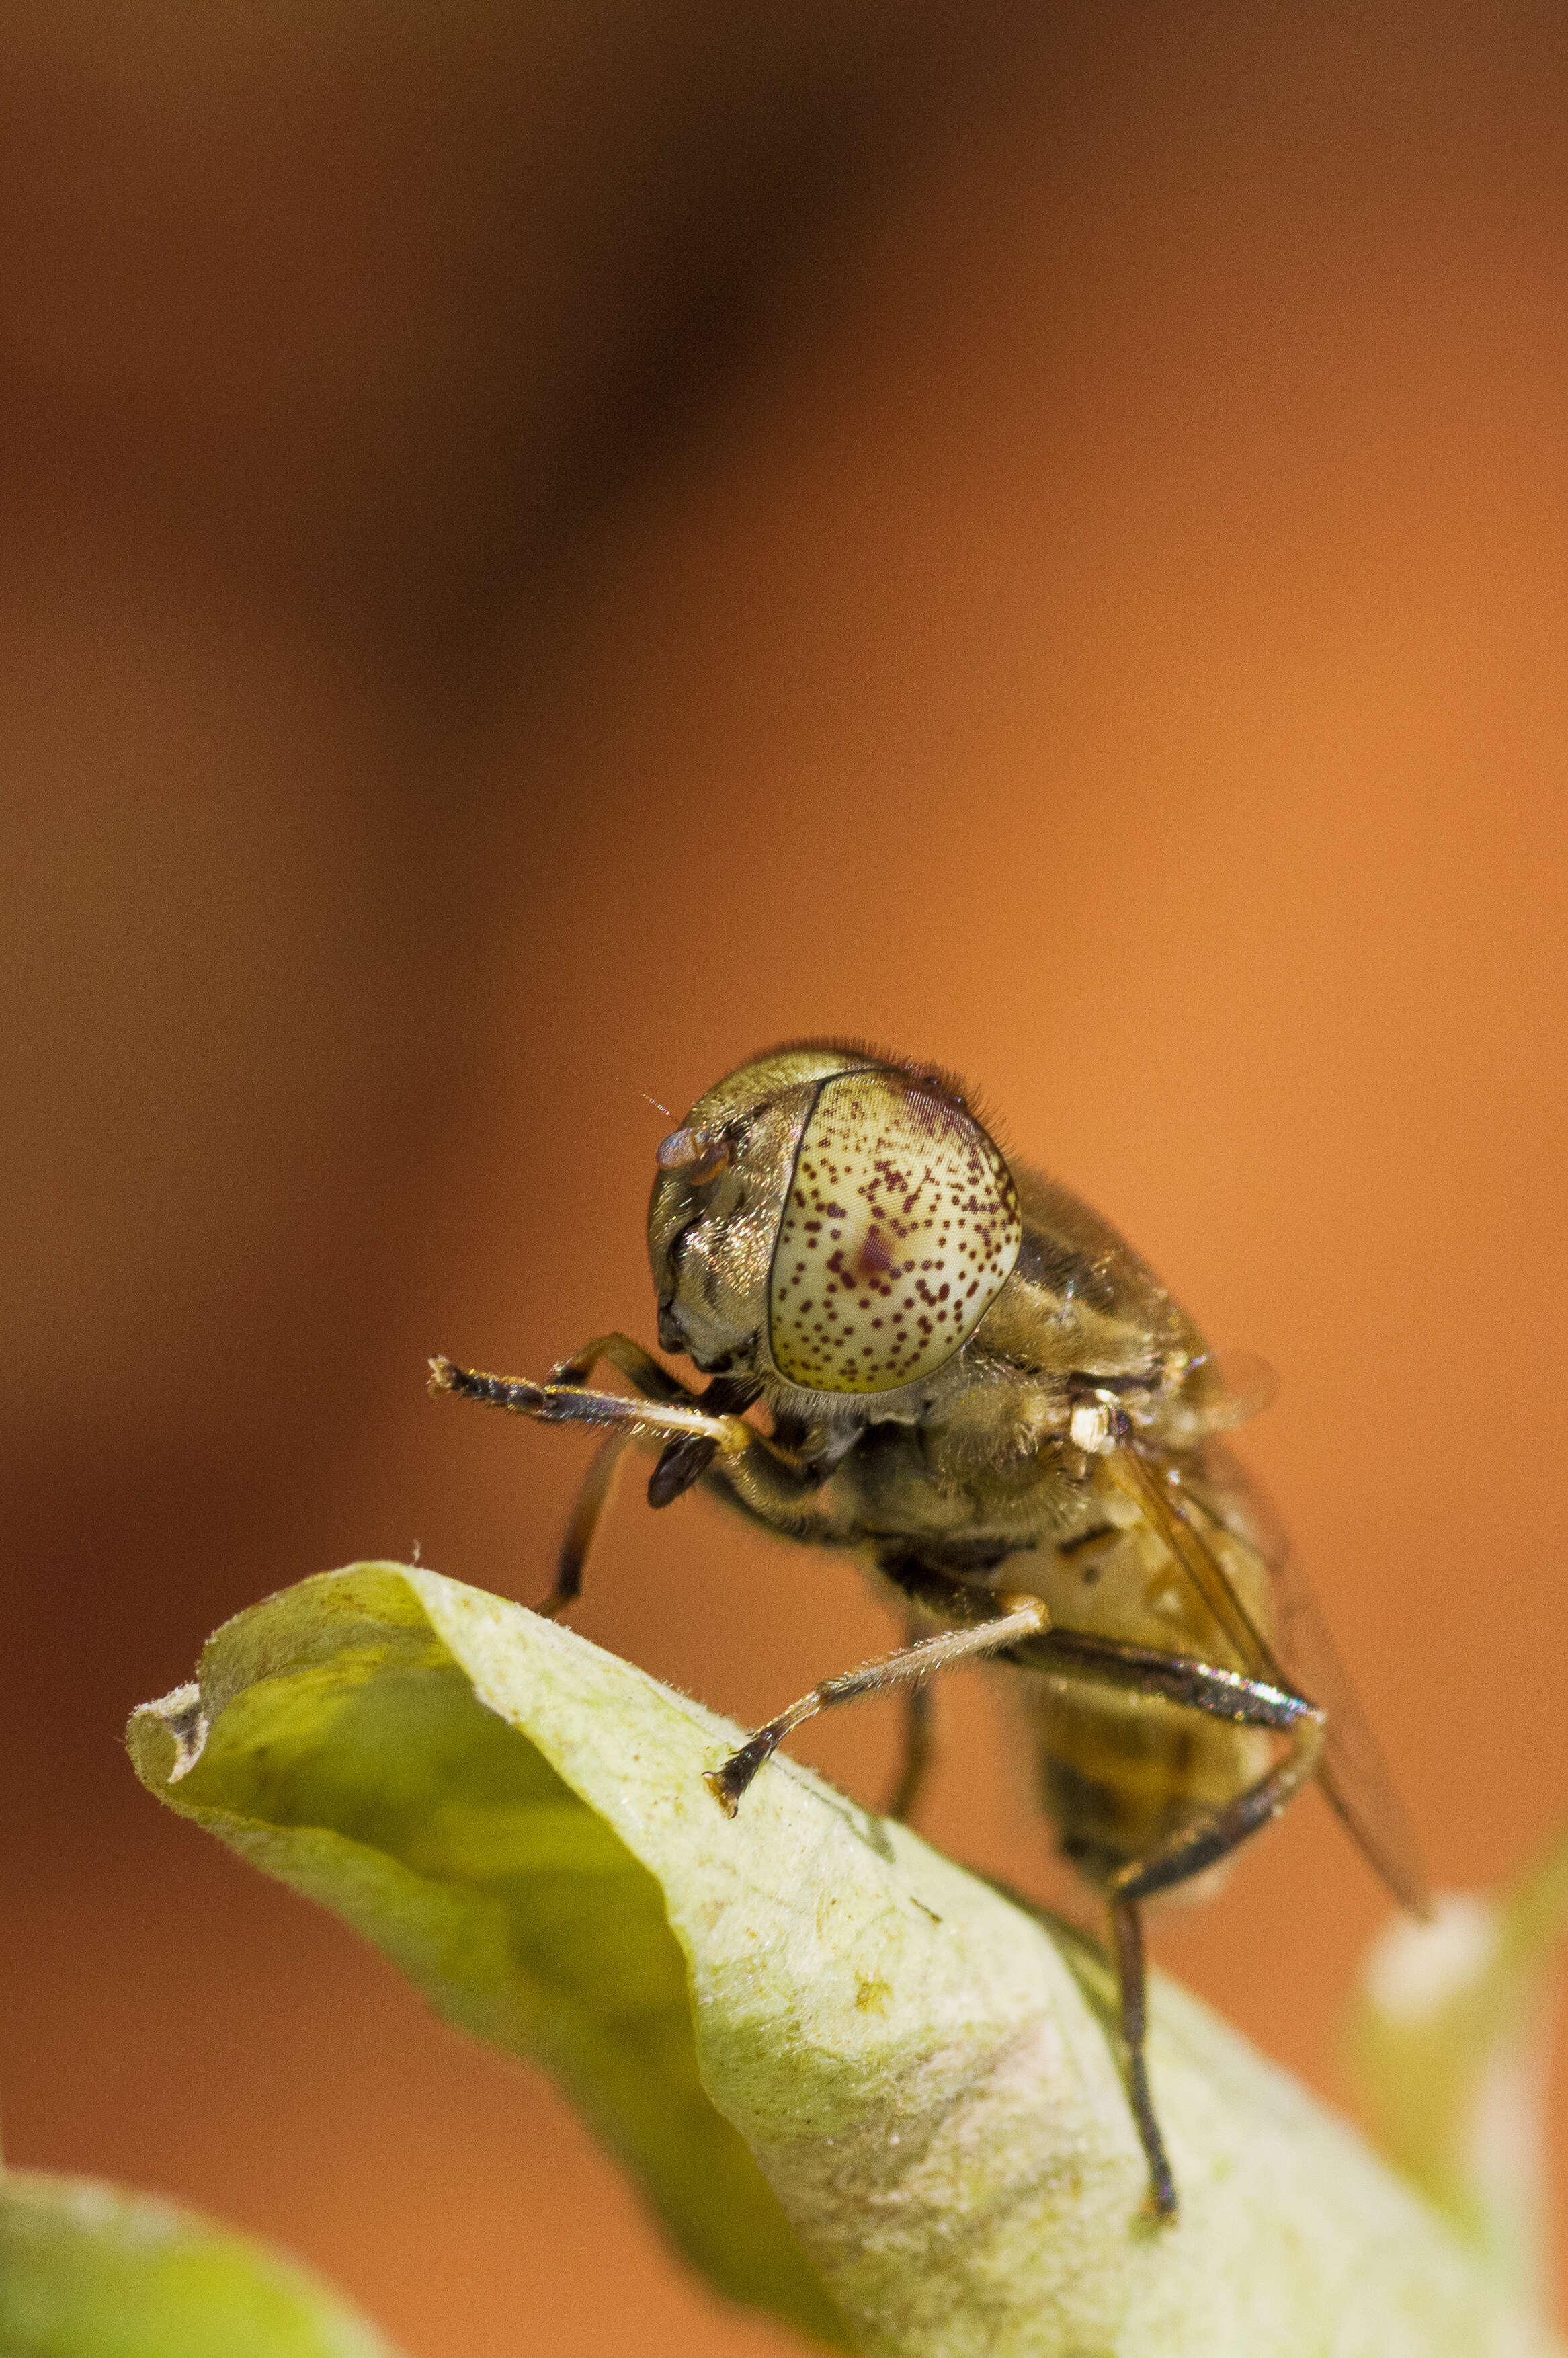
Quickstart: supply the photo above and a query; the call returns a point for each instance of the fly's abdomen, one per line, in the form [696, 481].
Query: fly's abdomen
[1121, 1774]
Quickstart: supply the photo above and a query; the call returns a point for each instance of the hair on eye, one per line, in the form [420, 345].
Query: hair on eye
[940, 1079]
[935, 1076]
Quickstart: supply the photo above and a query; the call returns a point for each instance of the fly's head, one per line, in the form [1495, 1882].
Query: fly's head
[832, 1222]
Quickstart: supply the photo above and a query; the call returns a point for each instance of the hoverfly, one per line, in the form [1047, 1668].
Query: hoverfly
[975, 1384]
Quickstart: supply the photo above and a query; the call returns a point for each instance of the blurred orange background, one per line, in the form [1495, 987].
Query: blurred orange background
[548, 548]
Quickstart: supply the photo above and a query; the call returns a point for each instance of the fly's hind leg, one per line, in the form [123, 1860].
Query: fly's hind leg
[1173, 1863]
[1131, 1984]
[1220, 1694]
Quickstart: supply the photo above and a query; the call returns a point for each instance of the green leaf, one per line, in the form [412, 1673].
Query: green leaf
[89, 2271]
[1449, 2042]
[344, 1746]
[920, 2068]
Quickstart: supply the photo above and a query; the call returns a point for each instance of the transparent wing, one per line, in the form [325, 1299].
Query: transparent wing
[1219, 1390]
[1193, 1508]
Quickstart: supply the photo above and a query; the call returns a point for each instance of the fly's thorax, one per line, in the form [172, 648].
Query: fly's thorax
[1119, 1583]
[1116, 1576]
[1082, 1305]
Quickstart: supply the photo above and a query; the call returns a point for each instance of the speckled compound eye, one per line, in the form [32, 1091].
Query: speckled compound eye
[899, 1230]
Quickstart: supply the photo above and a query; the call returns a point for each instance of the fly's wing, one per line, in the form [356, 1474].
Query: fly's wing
[1219, 1390]
[1352, 1770]
[1193, 1505]
[1353, 1774]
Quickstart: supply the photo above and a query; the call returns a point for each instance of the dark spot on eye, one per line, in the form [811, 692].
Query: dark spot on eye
[874, 1258]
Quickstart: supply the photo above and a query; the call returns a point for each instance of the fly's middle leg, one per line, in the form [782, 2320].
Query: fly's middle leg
[918, 1752]
[1019, 1617]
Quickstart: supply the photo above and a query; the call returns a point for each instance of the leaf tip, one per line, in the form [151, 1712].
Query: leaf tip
[182, 1715]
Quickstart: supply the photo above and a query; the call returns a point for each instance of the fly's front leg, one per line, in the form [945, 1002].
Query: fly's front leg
[674, 1416]
[654, 1382]
[564, 1399]
[684, 1459]
[1018, 1617]
[592, 1497]
[760, 1475]
[631, 1359]
[643, 1371]
[682, 1463]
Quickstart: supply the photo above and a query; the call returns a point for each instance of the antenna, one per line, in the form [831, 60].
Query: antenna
[636, 1092]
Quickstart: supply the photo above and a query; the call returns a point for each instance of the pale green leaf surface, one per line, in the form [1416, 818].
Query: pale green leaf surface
[1449, 2040]
[352, 1755]
[920, 2068]
[90, 2271]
